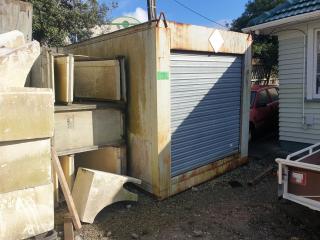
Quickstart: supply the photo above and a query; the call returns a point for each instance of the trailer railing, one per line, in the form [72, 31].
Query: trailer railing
[294, 160]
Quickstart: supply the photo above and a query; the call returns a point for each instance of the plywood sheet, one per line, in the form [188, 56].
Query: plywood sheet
[26, 213]
[97, 80]
[24, 164]
[27, 113]
[84, 129]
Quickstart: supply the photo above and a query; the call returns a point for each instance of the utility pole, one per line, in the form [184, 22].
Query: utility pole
[152, 13]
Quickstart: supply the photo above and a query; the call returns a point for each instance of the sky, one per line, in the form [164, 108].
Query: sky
[221, 11]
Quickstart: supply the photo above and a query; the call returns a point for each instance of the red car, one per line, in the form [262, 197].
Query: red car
[264, 109]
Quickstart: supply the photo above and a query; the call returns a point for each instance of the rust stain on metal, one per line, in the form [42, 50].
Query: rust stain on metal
[196, 38]
[200, 175]
[147, 51]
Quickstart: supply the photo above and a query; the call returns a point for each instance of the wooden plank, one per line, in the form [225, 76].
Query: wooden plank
[68, 228]
[97, 80]
[26, 213]
[85, 129]
[24, 164]
[65, 189]
[28, 114]
[109, 159]
[94, 190]
[64, 78]
[67, 164]
[261, 175]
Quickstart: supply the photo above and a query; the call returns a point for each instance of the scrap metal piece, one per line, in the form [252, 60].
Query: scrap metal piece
[94, 190]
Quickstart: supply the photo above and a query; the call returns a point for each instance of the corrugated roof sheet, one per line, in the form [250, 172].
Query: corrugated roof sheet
[288, 9]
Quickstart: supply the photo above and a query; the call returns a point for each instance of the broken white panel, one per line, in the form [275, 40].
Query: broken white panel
[94, 190]
[16, 63]
[13, 39]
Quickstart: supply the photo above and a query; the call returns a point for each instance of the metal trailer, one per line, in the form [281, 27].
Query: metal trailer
[299, 177]
[188, 100]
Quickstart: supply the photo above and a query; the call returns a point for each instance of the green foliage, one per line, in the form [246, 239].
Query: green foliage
[265, 48]
[252, 10]
[55, 21]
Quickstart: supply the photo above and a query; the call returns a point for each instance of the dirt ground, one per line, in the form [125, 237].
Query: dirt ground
[224, 208]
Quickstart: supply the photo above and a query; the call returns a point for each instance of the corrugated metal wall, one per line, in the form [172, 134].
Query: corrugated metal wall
[291, 60]
[205, 109]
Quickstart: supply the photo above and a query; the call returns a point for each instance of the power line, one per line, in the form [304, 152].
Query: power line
[199, 14]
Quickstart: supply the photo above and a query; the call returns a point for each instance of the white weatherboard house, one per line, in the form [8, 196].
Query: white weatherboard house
[297, 25]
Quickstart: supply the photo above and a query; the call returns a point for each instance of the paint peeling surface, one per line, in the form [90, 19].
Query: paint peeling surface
[196, 38]
[137, 44]
[26, 213]
[200, 175]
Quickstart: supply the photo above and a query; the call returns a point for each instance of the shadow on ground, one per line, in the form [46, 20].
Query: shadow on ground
[224, 208]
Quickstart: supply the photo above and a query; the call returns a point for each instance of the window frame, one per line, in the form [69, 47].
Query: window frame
[315, 95]
[311, 62]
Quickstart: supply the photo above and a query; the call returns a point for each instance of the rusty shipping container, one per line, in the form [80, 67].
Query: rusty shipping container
[188, 95]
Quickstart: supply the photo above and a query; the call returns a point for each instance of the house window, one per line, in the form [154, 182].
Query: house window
[317, 65]
[313, 63]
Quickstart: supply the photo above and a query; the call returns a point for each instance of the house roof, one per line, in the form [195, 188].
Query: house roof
[290, 8]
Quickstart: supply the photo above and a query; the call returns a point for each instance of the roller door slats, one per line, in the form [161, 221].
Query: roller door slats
[200, 160]
[205, 149]
[205, 109]
[199, 122]
[178, 100]
[197, 139]
[188, 130]
[197, 114]
[203, 123]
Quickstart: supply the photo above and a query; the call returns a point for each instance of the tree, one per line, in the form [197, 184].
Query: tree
[265, 48]
[55, 21]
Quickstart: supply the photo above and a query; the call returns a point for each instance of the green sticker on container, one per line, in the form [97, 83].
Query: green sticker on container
[162, 75]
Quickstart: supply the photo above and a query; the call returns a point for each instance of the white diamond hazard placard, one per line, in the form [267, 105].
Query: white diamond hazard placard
[216, 41]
